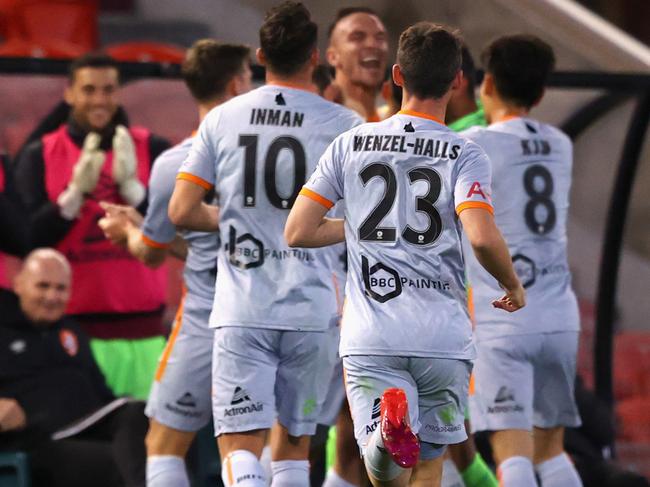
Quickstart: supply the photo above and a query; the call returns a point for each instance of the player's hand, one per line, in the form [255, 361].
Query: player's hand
[12, 415]
[86, 171]
[125, 166]
[513, 299]
[131, 213]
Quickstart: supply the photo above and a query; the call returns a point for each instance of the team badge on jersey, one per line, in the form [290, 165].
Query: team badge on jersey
[69, 342]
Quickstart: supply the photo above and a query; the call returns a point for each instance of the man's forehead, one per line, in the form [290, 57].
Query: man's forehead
[101, 74]
[357, 21]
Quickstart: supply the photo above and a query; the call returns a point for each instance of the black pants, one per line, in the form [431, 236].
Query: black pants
[109, 454]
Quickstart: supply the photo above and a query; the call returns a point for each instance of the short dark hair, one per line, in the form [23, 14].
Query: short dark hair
[429, 56]
[346, 12]
[469, 70]
[288, 37]
[322, 77]
[520, 65]
[209, 66]
[95, 59]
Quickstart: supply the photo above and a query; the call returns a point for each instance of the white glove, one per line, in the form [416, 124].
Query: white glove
[125, 166]
[85, 175]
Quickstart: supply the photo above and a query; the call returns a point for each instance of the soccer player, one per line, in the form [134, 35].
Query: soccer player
[358, 51]
[274, 307]
[526, 362]
[179, 404]
[463, 112]
[406, 338]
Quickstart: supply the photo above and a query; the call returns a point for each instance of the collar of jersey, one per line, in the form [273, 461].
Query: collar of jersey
[288, 85]
[413, 113]
[508, 118]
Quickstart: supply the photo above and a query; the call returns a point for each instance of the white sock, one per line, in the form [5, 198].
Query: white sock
[166, 471]
[559, 471]
[333, 479]
[378, 461]
[265, 460]
[450, 475]
[516, 472]
[290, 473]
[243, 469]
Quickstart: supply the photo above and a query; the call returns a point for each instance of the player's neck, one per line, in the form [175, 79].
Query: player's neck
[204, 108]
[359, 98]
[504, 112]
[300, 80]
[435, 108]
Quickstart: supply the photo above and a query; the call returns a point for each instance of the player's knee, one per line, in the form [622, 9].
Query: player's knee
[162, 440]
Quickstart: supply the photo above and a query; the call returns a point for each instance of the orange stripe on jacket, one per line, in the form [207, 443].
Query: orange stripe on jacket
[185, 176]
[152, 243]
[178, 322]
[312, 195]
[474, 204]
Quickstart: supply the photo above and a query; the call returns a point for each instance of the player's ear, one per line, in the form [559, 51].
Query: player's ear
[261, 58]
[487, 86]
[332, 56]
[398, 77]
[315, 57]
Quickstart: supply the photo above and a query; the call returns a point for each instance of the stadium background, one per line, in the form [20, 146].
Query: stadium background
[604, 77]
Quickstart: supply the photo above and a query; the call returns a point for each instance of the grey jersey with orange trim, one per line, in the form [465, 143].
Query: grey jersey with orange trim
[531, 165]
[403, 181]
[258, 149]
[159, 231]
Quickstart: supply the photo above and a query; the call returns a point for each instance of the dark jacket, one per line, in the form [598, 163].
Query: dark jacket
[50, 371]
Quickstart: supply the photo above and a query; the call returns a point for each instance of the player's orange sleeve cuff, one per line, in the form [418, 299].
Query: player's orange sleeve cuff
[185, 176]
[474, 204]
[312, 195]
[152, 243]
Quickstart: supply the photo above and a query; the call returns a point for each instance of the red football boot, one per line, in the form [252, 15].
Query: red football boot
[400, 442]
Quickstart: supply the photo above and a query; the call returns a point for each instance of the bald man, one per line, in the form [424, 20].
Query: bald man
[358, 52]
[49, 379]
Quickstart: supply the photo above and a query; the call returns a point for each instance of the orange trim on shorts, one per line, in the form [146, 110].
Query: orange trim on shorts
[413, 113]
[312, 195]
[337, 290]
[474, 204]
[185, 176]
[152, 243]
[470, 305]
[472, 385]
[178, 322]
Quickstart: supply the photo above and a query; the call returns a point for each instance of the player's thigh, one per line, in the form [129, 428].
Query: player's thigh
[503, 384]
[366, 379]
[443, 387]
[304, 371]
[555, 373]
[180, 396]
[244, 369]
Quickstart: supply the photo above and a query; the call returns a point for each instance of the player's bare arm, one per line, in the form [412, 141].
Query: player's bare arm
[187, 209]
[307, 225]
[492, 252]
[121, 226]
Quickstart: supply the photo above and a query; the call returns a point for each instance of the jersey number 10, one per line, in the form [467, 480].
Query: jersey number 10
[249, 142]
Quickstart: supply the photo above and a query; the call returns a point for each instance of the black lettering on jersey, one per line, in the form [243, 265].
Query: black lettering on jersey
[535, 147]
[276, 117]
[455, 149]
[428, 149]
[419, 145]
[386, 146]
[376, 146]
[357, 143]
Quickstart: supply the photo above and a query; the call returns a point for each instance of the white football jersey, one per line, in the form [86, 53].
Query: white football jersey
[257, 150]
[158, 231]
[531, 170]
[403, 181]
